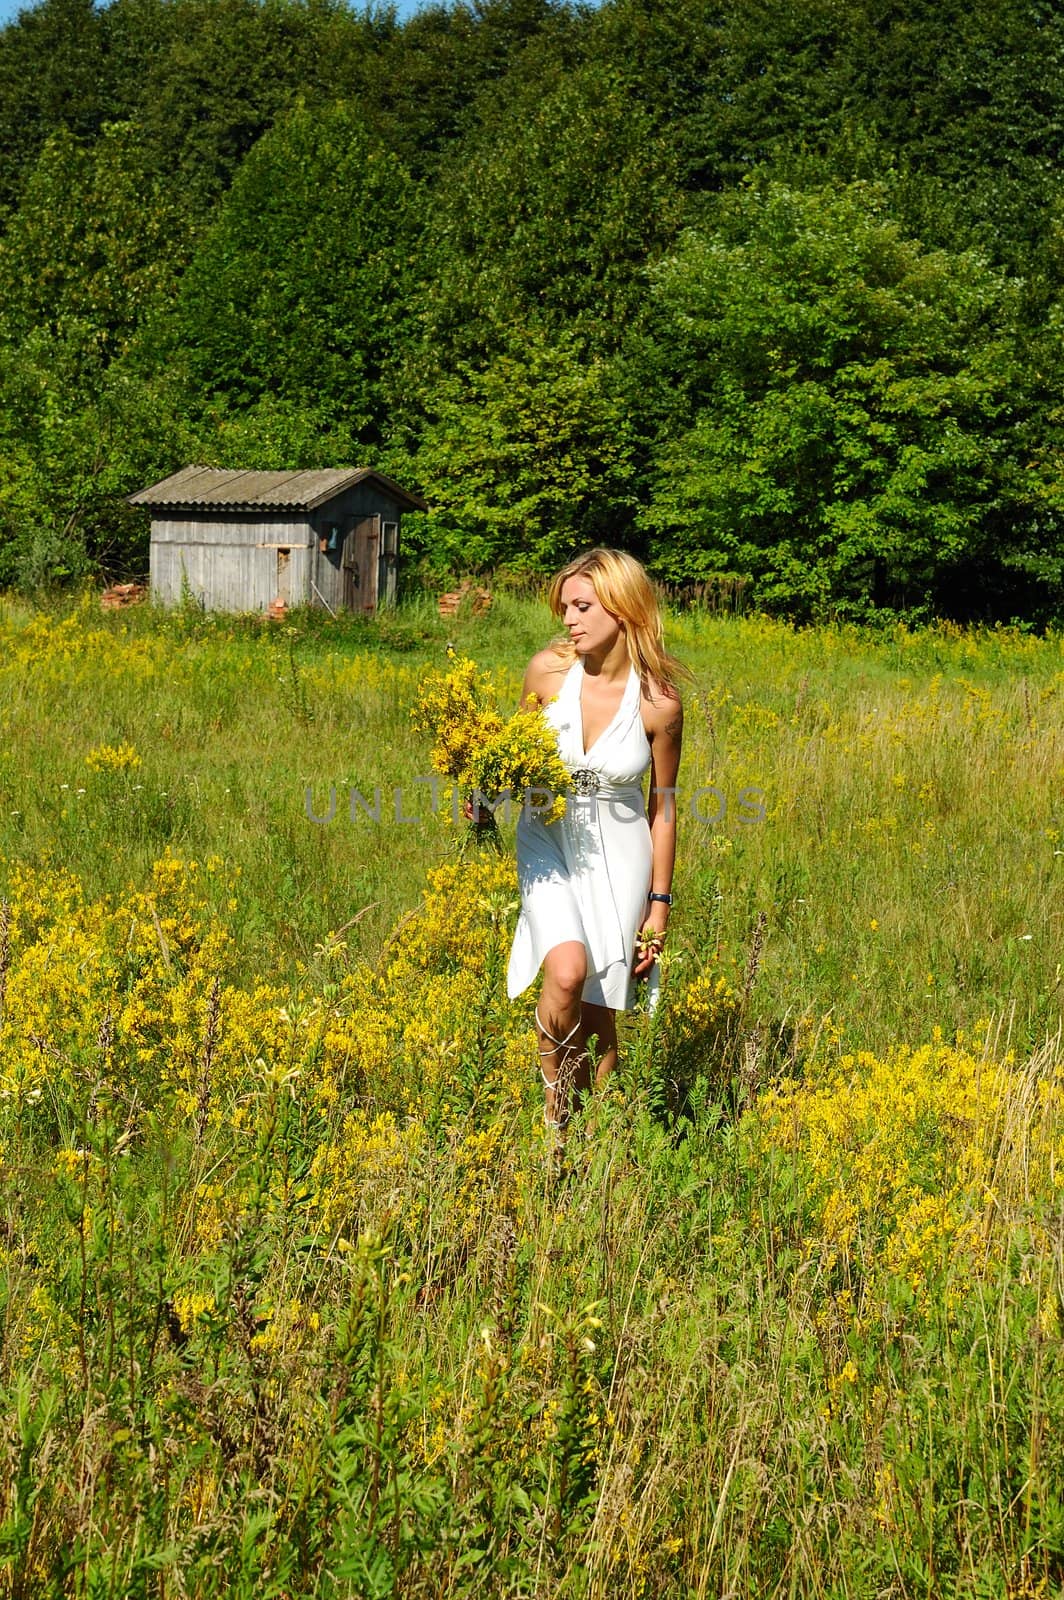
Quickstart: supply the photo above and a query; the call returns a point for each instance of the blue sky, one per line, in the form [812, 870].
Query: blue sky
[9, 9]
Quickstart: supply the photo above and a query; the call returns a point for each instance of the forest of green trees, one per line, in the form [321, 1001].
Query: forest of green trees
[756, 290]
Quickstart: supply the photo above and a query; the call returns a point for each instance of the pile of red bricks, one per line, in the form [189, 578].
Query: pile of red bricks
[123, 594]
[480, 600]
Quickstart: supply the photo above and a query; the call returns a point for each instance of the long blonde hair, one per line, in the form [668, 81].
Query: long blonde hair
[623, 586]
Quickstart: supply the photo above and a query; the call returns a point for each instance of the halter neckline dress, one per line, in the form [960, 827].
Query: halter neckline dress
[586, 876]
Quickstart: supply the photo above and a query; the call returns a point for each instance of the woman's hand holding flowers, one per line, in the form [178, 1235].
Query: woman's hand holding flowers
[650, 940]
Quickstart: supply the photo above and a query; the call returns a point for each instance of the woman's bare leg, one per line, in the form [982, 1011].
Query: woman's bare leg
[601, 1021]
[563, 1058]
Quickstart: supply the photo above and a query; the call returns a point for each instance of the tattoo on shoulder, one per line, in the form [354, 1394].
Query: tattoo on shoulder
[674, 727]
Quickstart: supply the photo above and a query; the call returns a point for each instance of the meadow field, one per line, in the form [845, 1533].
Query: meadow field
[293, 1301]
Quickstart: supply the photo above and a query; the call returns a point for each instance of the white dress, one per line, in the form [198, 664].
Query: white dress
[586, 876]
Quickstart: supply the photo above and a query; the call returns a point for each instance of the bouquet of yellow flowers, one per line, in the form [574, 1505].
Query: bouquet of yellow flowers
[489, 757]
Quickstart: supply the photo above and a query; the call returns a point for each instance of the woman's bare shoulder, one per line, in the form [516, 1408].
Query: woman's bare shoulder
[544, 674]
[662, 708]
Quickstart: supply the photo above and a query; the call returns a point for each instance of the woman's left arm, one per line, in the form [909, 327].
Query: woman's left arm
[665, 733]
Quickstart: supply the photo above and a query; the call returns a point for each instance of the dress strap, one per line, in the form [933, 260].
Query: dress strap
[630, 700]
[572, 681]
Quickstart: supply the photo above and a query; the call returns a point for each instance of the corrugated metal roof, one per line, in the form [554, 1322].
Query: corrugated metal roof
[263, 491]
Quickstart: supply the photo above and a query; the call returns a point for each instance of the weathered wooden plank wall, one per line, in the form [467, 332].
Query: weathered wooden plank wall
[232, 564]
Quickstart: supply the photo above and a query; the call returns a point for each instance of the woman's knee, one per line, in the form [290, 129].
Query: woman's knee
[565, 968]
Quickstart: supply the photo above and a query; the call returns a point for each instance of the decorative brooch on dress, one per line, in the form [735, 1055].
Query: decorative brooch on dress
[585, 781]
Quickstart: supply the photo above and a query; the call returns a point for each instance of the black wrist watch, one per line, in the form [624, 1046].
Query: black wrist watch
[666, 899]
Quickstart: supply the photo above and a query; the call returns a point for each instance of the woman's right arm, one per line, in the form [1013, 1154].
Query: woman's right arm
[541, 678]
[529, 686]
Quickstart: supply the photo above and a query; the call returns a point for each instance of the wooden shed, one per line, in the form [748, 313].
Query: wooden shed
[246, 539]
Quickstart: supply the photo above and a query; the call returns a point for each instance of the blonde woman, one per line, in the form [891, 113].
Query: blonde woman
[603, 874]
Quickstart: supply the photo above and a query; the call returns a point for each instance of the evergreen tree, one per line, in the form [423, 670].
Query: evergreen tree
[54, 74]
[301, 293]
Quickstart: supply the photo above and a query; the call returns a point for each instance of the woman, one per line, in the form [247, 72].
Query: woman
[592, 880]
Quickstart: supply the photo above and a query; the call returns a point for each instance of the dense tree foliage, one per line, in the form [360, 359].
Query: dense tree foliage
[53, 74]
[302, 290]
[531, 454]
[549, 213]
[96, 245]
[762, 290]
[845, 411]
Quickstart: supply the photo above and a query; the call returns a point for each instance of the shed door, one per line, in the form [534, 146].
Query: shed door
[350, 576]
[360, 564]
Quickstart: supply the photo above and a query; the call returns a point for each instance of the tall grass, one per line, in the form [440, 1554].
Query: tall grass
[293, 1301]
[909, 864]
